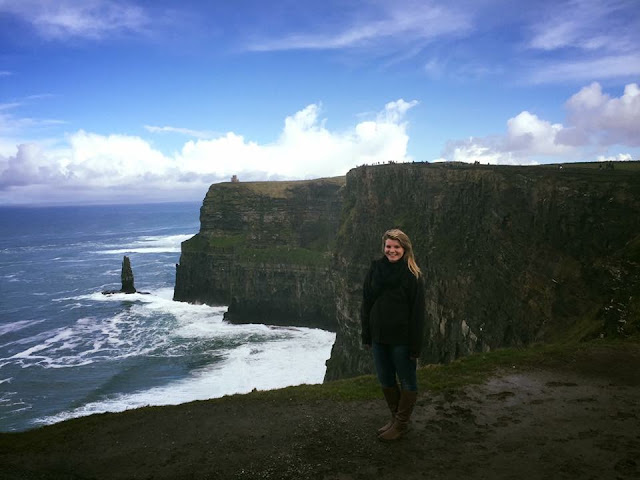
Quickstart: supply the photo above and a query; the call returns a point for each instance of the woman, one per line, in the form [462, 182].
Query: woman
[392, 323]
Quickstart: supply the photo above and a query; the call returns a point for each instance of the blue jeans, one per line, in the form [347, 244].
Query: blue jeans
[392, 360]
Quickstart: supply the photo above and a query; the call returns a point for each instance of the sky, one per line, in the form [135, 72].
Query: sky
[131, 101]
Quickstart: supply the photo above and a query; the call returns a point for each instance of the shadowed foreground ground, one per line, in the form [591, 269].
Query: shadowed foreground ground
[575, 417]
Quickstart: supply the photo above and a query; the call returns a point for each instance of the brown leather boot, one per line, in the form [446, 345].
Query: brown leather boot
[392, 396]
[403, 416]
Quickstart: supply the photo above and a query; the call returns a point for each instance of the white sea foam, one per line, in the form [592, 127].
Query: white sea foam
[246, 356]
[294, 360]
[93, 339]
[15, 326]
[149, 326]
[151, 244]
[26, 341]
[9, 403]
[114, 297]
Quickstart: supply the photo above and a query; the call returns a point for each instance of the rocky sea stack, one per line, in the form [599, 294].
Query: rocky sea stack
[126, 277]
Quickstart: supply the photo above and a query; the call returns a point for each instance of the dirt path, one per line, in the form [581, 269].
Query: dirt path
[582, 422]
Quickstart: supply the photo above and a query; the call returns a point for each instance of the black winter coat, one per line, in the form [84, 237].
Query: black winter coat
[393, 306]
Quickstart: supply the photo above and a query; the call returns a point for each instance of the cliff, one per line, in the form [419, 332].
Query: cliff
[264, 250]
[511, 255]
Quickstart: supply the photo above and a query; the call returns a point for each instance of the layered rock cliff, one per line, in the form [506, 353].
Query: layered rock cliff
[511, 255]
[264, 250]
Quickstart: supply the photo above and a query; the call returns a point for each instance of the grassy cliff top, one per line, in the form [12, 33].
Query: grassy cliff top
[278, 189]
[283, 189]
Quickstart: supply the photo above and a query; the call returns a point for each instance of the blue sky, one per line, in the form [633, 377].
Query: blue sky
[113, 101]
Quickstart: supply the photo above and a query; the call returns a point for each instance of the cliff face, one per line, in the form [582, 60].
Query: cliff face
[264, 250]
[511, 255]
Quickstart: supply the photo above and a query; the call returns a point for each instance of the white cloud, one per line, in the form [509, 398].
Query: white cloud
[305, 148]
[394, 112]
[96, 164]
[9, 106]
[103, 161]
[595, 116]
[527, 138]
[621, 157]
[24, 167]
[594, 121]
[585, 40]
[614, 66]
[13, 127]
[67, 18]
[478, 150]
[182, 131]
[533, 136]
[398, 21]
[435, 68]
[588, 25]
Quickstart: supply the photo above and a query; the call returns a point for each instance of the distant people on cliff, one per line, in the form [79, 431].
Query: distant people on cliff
[392, 323]
[606, 166]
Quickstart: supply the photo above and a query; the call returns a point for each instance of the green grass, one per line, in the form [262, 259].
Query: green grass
[618, 165]
[226, 242]
[202, 243]
[278, 189]
[587, 327]
[284, 255]
[272, 255]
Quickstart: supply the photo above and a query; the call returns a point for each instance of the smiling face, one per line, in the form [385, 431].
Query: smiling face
[393, 250]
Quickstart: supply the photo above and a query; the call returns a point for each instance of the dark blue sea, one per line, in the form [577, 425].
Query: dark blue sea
[67, 350]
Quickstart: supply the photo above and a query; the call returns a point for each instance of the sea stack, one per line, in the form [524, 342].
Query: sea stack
[127, 277]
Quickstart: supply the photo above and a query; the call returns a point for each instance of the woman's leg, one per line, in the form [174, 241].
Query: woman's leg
[385, 365]
[405, 367]
[406, 370]
[383, 360]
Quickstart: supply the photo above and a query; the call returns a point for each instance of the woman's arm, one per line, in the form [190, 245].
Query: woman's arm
[416, 321]
[365, 310]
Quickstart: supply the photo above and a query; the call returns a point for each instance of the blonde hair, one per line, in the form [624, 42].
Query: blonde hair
[403, 239]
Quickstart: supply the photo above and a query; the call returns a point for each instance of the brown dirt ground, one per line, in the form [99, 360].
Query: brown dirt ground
[578, 421]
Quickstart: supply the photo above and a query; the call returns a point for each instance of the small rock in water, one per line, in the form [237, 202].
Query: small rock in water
[127, 276]
[127, 280]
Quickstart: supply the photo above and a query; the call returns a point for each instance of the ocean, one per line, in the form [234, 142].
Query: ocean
[67, 350]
